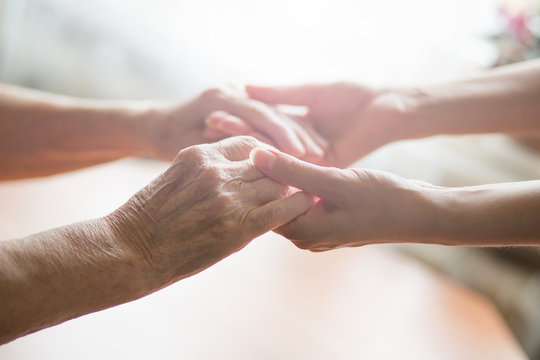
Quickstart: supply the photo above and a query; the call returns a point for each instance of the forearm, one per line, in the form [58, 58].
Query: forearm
[63, 273]
[503, 100]
[487, 215]
[42, 134]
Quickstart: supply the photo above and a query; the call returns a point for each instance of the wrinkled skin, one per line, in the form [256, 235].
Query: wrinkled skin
[209, 204]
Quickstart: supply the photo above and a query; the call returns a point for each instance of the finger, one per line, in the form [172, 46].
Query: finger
[307, 230]
[238, 148]
[306, 123]
[291, 95]
[244, 170]
[320, 181]
[318, 138]
[265, 121]
[264, 190]
[279, 212]
[314, 152]
[263, 138]
[233, 125]
[213, 134]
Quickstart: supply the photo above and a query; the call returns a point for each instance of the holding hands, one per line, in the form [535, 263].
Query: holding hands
[353, 119]
[228, 111]
[209, 204]
[354, 207]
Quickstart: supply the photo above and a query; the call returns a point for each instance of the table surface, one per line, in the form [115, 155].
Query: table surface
[270, 301]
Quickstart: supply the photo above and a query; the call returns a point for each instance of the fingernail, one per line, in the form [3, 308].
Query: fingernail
[262, 159]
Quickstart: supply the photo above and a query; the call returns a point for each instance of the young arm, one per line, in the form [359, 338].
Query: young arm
[360, 206]
[357, 119]
[502, 100]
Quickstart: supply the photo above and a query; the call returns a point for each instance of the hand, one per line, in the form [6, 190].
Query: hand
[178, 126]
[209, 204]
[356, 206]
[354, 119]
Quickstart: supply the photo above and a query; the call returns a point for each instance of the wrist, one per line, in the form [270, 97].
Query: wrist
[145, 123]
[131, 238]
[449, 218]
[395, 110]
[428, 214]
[169, 127]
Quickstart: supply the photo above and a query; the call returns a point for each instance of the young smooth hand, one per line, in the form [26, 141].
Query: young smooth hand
[354, 207]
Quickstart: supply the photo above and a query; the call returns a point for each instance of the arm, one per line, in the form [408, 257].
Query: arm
[360, 206]
[357, 119]
[502, 100]
[209, 204]
[43, 134]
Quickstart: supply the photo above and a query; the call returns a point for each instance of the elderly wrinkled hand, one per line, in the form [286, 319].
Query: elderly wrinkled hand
[210, 203]
[222, 112]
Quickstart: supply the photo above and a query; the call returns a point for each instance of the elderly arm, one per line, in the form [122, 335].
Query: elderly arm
[209, 204]
[43, 134]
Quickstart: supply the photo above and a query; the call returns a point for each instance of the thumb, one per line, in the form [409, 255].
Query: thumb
[288, 170]
[291, 95]
[279, 212]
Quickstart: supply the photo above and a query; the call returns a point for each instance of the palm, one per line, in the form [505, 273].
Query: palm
[336, 114]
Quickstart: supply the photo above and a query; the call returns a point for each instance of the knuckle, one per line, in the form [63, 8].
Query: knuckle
[249, 141]
[274, 213]
[193, 154]
[211, 175]
[212, 93]
[268, 190]
[266, 217]
[240, 142]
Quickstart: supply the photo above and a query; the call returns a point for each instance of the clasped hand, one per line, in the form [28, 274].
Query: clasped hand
[354, 207]
[209, 204]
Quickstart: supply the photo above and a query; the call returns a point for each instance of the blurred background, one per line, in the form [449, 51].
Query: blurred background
[174, 49]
